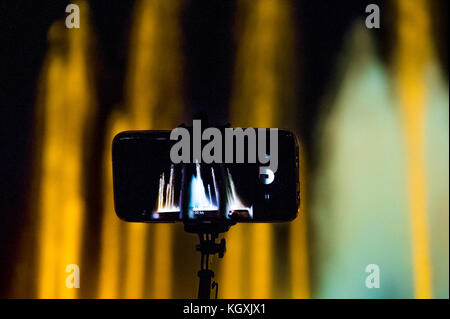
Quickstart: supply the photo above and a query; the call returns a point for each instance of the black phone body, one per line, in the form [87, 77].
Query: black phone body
[149, 187]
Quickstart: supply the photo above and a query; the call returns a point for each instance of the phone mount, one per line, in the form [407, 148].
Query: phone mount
[208, 233]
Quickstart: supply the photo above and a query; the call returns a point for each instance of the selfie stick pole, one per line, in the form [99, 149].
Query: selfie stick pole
[208, 246]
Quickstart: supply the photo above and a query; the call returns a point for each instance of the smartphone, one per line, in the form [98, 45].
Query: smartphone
[149, 187]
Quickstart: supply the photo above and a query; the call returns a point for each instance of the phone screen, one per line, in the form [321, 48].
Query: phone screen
[148, 187]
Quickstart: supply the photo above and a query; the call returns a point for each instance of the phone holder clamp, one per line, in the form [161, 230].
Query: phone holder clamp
[208, 234]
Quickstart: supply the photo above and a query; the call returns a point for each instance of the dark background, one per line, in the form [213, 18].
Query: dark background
[209, 49]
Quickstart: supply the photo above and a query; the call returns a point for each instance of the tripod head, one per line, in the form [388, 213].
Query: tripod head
[207, 233]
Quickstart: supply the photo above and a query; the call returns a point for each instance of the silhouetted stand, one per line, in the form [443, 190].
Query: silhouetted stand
[208, 234]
